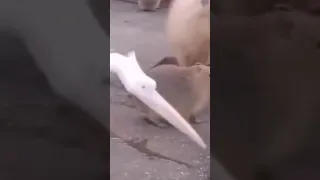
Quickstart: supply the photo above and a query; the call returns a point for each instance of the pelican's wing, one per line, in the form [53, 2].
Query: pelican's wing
[144, 88]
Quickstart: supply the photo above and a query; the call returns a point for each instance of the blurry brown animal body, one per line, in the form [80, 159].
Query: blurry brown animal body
[149, 5]
[187, 89]
[188, 31]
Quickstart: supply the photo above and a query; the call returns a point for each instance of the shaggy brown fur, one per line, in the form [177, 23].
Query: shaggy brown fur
[188, 31]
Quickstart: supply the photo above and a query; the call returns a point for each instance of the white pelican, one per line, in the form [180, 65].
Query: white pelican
[143, 87]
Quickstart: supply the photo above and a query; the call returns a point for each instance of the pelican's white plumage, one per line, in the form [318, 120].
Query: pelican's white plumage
[143, 87]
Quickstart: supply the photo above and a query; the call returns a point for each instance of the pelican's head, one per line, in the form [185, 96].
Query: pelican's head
[145, 82]
[129, 72]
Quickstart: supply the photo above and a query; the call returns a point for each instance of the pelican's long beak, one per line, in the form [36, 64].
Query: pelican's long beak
[159, 105]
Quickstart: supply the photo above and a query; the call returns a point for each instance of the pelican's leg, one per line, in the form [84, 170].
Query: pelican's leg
[156, 120]
[194, 120]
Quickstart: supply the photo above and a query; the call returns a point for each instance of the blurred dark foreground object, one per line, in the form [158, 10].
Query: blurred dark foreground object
[266, 102]
[256, 7]
[44, 136]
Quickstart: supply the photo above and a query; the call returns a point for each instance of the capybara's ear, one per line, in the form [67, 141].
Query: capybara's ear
[167, 60]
